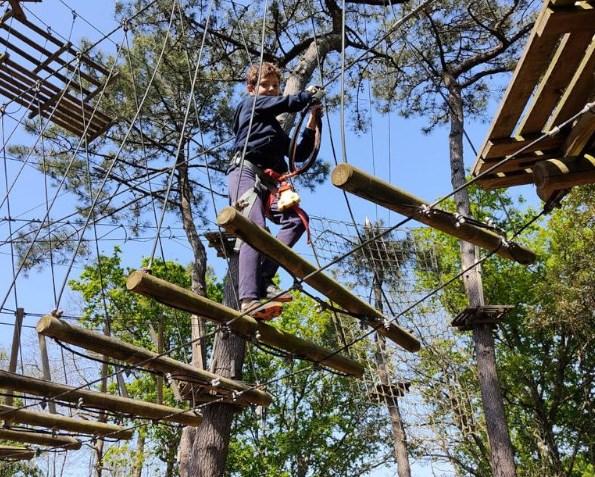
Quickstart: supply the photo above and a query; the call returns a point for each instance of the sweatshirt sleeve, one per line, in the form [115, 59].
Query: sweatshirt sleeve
[283, 104]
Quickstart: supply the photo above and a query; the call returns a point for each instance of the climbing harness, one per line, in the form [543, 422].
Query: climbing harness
[278, 187]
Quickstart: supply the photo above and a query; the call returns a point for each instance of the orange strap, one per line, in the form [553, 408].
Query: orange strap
[272, 197]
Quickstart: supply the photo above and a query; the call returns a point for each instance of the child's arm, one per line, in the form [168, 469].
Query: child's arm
[283, 104]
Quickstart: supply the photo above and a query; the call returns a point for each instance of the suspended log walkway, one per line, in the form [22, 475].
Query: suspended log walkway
[97, 400]
[245, 326]
[117, 349]
[356, 181]
[16, 453]
[39, 438]
[233, 221]
[10, 414]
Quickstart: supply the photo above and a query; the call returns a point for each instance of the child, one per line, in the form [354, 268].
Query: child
[264, 144]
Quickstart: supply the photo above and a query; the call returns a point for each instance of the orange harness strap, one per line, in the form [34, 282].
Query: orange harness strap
[273, 196]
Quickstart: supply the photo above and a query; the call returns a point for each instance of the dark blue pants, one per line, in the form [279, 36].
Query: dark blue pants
[257, 271]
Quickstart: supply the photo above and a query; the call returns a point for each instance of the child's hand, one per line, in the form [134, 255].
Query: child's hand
[317, 92]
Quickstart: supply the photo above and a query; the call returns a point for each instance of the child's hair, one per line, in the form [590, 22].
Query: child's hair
[267, 69]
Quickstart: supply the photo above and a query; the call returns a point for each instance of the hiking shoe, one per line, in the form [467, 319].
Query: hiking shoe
[261, 311]
[275, 293]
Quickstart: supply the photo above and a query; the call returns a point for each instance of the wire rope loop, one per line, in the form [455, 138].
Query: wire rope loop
[309, 162]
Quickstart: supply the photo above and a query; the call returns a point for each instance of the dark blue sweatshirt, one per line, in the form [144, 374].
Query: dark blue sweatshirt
[268, 143]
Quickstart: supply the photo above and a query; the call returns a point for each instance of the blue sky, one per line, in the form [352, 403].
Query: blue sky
[418, 163]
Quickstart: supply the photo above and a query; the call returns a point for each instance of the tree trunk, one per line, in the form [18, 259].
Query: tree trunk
[399, 436]
[502, 460]
[211, 444]
[99, 444]
[198, 272]
[139, 458]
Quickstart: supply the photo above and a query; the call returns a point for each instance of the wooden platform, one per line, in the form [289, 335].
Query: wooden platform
[389, 393]
[482, 315]
[552, 82]
[50, 78]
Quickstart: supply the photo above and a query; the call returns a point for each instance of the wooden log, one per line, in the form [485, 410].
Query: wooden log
[246, 326]
[233, 221]
[97, 400]
[40, 438]
[117, 349]
[16, 453]
[558, 174]
[55, 421]
[357, 182]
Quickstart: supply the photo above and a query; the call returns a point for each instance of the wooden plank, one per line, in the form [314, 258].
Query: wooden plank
[16, 453]
[55, 421]
[85, 58]
[40, 438]
[498, 181]
[27, 100]
[577, 93]
[528, 70]
[496, 149]
[243, 325]
[233, 221]
[580, 17]
[96, 400]
[519, 163]
[45, 65]
[33, 60]
[67, 114]
[551, 87]
[353, 180]
[17, 10]
[117, 349]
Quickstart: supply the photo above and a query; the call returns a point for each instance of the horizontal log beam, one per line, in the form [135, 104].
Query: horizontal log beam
[353, 180]
[39, 438]
[16, 453]
[559, 174]
[55, 421]
[245, 326]
[97, 400]
[233, 221]
[117, 349]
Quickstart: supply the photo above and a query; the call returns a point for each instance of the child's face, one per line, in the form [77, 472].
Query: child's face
[269, 86]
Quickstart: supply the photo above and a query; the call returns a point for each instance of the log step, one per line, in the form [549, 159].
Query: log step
[356, 181]
[16, 453]
[117, 349]
[10, 414]
[245, 326]
[40, 438]
[96, 400]
[233, 221]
